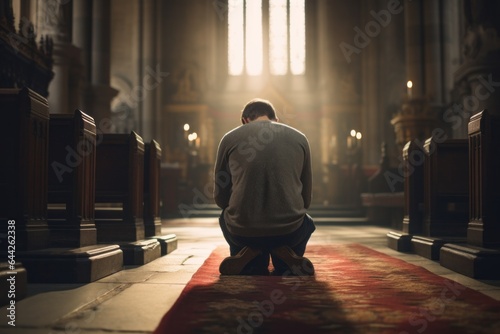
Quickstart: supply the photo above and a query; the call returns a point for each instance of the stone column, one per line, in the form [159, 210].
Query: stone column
[54, 21]
[100, 92]
[478, 77]
[418, 115]
[149, 62]
[81, 36]
[433, 55]
[413, 46]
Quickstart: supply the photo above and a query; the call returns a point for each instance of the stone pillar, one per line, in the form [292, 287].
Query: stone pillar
[433, 55]
[413, 46]
[478, 77]
[325, 47]
[326, 129]
[418, 115]
[100, 92]
[81, 36]
[325, 76]
[148, 106]
[54, 21]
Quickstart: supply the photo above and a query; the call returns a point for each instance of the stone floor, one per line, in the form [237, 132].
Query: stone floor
[135, 299]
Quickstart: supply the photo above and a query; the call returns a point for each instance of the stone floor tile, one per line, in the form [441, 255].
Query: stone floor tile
[181, 277]
[44, 309]
[137, 308]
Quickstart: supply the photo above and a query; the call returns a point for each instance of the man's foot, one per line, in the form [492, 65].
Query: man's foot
[295, 265]
[239, 263]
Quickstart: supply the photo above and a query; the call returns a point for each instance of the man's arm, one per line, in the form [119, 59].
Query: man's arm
[222, 179]
[306, 177]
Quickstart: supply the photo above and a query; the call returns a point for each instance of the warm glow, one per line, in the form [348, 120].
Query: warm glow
[297, 37]
[353, 133]
[358, 135]
[278, 37]
[287, 37]
[235, 37]
[253, 37]
[409, 84]
[186, 127]
[192, 136]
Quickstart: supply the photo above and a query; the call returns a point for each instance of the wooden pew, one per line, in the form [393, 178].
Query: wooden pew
[23, 182]
[446, 196]
[383, 201]
[119, 197]
[484, 177]
[170, 176]
[480, 256]
[413, 172]
[72, 180]
[152, 162]
[24, 132]
[72, 256]
[152, 181]
[25, 197]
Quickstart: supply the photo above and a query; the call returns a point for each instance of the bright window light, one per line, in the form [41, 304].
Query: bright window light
[297, 37]
[253, 34]
[235, 37]
[278, 37]
[287, 37]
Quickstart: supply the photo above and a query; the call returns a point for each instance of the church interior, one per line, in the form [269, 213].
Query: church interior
[112, 111]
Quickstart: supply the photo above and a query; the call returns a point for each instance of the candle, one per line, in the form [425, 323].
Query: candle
[186, 129]
[409, 84]
[358, 139]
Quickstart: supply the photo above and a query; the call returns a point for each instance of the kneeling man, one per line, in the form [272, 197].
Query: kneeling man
[263, 184]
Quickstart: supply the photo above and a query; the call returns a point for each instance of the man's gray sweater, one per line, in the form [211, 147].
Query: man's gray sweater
[263, 179]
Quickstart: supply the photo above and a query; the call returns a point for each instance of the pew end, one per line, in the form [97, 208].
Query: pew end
[119, 197]
[71, 180]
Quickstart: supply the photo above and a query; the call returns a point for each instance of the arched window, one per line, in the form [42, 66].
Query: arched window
[283, 37]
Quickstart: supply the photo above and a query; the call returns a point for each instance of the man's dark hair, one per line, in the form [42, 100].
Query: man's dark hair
[258, 107]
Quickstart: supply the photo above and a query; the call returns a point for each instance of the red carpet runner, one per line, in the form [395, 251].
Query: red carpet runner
[355, 290]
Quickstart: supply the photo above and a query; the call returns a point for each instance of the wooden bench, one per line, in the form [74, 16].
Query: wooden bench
[71, 189]
[446, 196]
[383, 201]
[23, 182]
[484, 177]
[152, 182]
[480, 256]
[413, 172]
[119, 188]
[119, 197]
[169, 190]
[152, 163]
[23, 172]
[383, 208]
[72, 255]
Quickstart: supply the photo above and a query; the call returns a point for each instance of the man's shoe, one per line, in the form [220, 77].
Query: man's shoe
[235, 265]
[297, 265]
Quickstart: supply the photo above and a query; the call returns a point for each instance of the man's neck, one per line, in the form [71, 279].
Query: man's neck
[261, 118]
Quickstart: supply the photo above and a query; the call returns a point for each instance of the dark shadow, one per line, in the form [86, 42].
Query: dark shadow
[258, 304]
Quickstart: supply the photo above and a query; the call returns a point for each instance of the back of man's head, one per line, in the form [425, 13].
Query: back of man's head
[258, 107]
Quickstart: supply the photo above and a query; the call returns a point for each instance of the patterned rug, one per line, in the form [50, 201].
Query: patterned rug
[355, 290]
